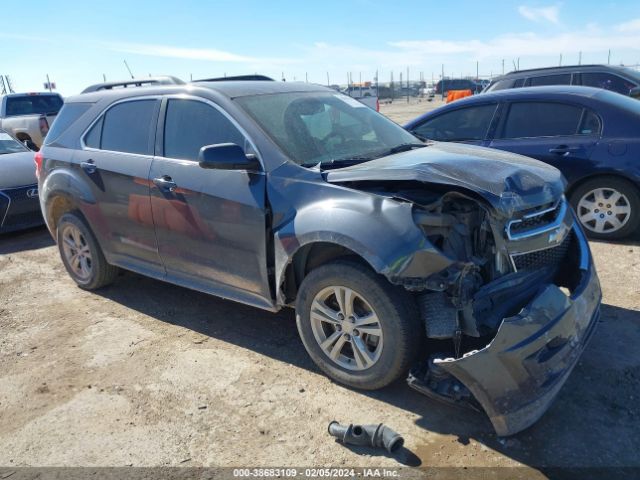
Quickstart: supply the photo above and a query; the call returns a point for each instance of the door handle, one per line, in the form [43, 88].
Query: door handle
[563, 149]
[89, 166]
[166, 183]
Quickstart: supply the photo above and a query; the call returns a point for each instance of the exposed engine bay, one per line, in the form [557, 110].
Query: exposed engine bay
[500, 268]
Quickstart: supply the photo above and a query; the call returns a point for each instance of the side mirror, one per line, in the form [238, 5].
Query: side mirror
[227, 156]
[635, 93]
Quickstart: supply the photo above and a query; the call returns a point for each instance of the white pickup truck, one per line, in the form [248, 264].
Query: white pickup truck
[365, 95]
[27, 116]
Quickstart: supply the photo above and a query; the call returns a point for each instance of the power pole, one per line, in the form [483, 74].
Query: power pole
[407, 84]
[503, 66]
[609, 57]
[442, 82]
[560, 60]
[328, 83]
[580, 58]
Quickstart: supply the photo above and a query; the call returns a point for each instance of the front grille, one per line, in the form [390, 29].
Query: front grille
[18, 209]
[542, 258]
[534, 219]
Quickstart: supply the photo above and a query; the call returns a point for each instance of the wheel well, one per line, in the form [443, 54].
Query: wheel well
[58, 207]
[309, 257]
[571, 190]
[23, 136]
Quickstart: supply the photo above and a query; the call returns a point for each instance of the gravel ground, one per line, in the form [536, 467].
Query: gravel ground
[147, 374]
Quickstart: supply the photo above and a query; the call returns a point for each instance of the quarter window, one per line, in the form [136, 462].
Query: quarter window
[127, 127]
[191, 125]
[464, 124]
[607, 81]
[534, 119]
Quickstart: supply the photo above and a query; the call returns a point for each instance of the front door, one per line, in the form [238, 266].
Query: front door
[210, 224]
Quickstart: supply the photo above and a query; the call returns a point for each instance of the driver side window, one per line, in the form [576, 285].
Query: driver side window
[463, 124]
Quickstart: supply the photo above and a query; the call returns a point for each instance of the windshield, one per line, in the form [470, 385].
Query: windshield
[8, 144]
[33, 104]
[319, 127]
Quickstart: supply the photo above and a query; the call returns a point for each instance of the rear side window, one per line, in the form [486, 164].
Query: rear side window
[191, 125]
[607, 81]
[591, 124]
[464, 124]
[500, 85]
[537, 119]
[561, 79]
[33, 104]
[68, 115]
[127, 127]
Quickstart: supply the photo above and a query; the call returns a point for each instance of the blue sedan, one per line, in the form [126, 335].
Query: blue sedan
[591, 135]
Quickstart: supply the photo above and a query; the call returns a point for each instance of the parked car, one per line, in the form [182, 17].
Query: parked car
[27, 116]
[591, 135]
[457, 84]
[289, 194]
[19, 206]
[617, 79]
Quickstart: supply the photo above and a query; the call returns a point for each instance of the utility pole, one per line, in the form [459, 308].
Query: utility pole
[609, 57]
[306, 77]
[560, 60]
[503, 66]
[580, 58]
[442, 82]
[477, 70]
[407, 84]
[48, 83]
[328, 83]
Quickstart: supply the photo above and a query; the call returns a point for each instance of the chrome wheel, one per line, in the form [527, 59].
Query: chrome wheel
[76, 251]
[346, 328]
[604, 210]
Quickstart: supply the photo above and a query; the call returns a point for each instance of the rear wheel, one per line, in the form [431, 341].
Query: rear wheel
[360, 330]
[81, 254]
[607, 207]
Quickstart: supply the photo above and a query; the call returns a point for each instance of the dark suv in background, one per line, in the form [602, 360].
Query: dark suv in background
[443, 86]
[289, 194]
[617, 79]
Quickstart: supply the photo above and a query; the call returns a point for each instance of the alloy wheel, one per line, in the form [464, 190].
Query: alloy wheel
[346, 328]
[604, 210]
[76, 251]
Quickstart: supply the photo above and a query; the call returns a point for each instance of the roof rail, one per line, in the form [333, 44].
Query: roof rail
[561, 67]
[135, 82]
[237, 77]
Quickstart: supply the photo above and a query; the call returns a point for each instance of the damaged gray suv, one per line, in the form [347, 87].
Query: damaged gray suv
[460, 268]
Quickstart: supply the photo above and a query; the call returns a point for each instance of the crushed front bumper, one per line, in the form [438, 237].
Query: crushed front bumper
[516, 377]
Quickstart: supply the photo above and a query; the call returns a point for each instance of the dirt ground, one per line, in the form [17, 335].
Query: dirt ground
[144, 373]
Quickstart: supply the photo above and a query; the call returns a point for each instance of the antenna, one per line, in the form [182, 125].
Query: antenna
[127, 65]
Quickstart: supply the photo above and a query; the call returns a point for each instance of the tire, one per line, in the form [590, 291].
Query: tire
[594, 215]
[88, 268]
[391, 354]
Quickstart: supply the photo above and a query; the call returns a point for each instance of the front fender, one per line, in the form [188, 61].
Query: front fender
[379, 229]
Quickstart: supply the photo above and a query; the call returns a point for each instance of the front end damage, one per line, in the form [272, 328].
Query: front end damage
[502, 274]
[509, 319]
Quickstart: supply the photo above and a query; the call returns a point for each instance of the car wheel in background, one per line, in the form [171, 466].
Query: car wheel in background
[607, 207]
[81, 254]
[359, 329]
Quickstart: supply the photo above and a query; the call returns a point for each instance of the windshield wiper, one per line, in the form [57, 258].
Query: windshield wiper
[404, 147]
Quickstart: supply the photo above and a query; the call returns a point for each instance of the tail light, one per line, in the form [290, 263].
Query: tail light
[44, 126]
[37, 158]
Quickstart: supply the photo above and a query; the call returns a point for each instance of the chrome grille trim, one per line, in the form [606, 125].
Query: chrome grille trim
[561, 210]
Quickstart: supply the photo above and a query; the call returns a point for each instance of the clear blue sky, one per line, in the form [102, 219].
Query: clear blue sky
[76, 42]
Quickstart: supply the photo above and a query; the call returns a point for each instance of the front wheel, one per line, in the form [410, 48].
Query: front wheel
[607, 207]
[359, 329]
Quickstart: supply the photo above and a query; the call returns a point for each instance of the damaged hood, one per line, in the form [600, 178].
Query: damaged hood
[509, 182]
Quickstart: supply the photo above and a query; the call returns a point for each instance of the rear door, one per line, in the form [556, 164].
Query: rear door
[210, 224]
[560, 134]
[115, 160]
[469, 124]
